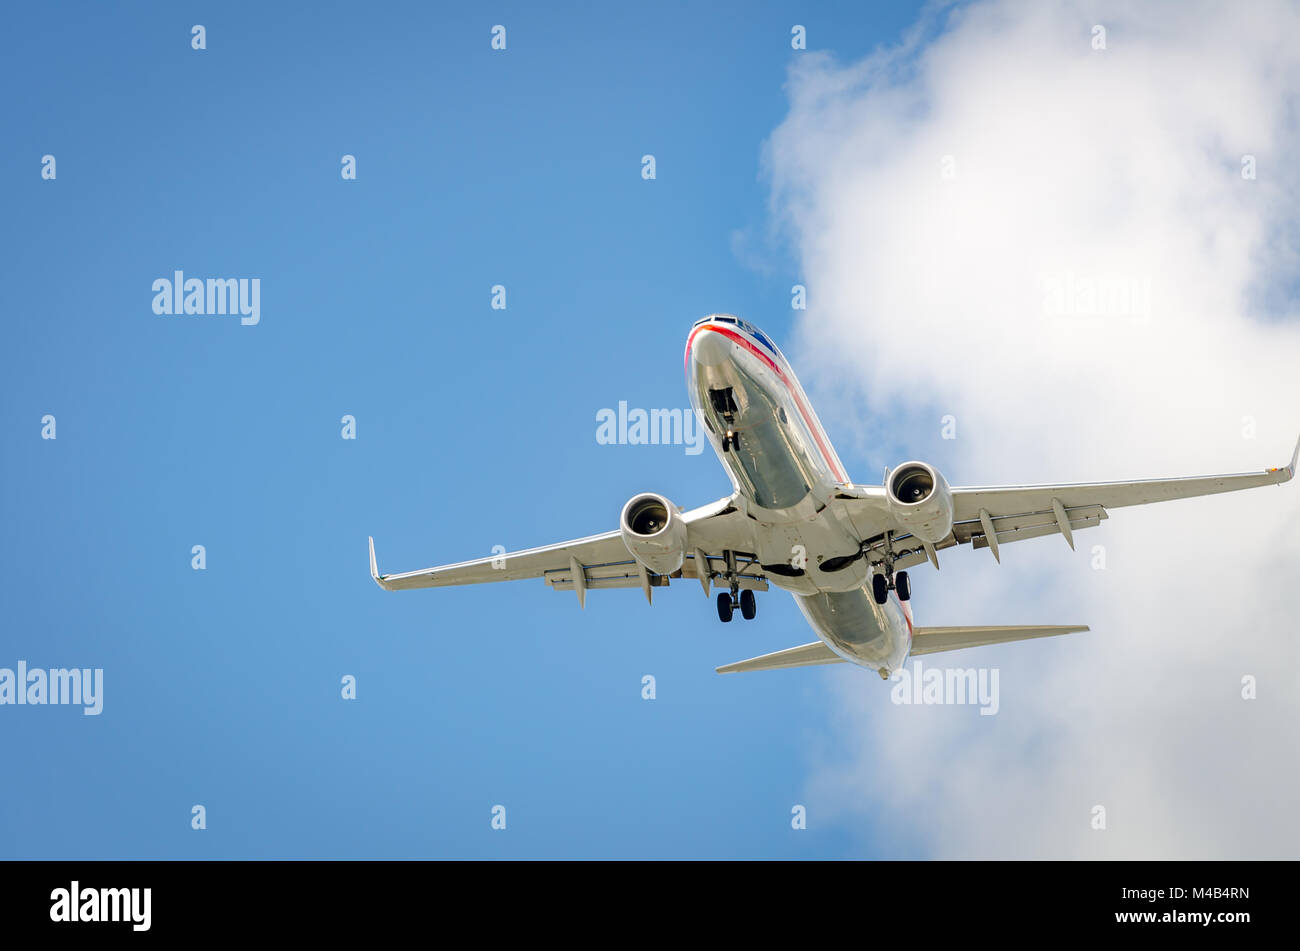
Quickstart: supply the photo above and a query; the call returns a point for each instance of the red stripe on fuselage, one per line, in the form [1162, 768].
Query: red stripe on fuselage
[905, 607]
[794, 393]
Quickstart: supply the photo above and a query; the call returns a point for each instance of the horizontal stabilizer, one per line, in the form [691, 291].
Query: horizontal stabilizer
[925, 640]
[931, 640]
[806, 655]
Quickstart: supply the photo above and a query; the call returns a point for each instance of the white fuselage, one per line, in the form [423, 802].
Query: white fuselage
[786, 473]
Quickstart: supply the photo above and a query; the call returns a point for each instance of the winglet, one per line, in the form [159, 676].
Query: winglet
[374, 568]
[1290, 469]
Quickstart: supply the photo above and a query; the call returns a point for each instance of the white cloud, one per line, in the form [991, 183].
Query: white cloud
[931, 295]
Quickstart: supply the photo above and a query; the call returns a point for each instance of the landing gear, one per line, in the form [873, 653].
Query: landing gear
[723, 402]
[748, 606]
[880, 588]
[727, 605]
[887, 580]
[733, 598]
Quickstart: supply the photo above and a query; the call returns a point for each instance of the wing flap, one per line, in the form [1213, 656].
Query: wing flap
[1011, 527]
[1033, 531]
[627, 574]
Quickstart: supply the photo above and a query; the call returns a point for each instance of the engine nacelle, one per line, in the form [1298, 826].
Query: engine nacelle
[654, 532]
[920, 501]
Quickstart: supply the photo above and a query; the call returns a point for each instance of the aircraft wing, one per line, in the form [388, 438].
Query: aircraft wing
[991, 516]
[597, 561]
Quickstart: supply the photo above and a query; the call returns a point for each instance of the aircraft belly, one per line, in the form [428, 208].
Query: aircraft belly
[859, 630]
[805, 542]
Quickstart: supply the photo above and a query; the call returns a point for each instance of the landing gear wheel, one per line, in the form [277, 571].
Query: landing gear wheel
[903, 586]
[730, 440]
[748, 607]
[880, 588]
[724, 607]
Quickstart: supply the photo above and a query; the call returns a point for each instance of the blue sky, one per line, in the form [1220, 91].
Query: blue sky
[475, 428]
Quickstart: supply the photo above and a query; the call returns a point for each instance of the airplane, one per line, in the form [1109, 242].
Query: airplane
[795, 520]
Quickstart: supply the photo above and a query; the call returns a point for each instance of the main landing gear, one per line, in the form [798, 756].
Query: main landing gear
[889, 580]
[727, 604]
[728, 601]
[881, 585]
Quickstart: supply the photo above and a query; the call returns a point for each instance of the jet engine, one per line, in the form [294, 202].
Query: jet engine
[920, 501]
[654, 532]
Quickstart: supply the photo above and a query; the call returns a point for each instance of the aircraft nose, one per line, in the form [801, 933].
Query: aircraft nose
[710, 349]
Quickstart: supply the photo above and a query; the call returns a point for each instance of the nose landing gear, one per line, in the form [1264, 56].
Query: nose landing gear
[724, 404]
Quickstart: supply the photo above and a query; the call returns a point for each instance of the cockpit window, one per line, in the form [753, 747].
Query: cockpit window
[743, 325]
[757, 335]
